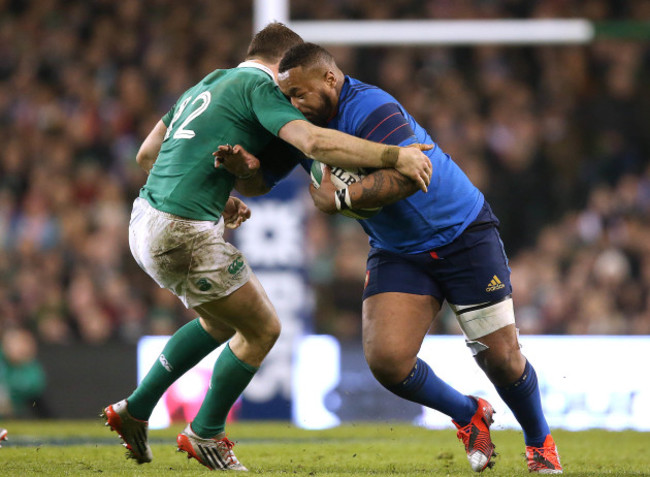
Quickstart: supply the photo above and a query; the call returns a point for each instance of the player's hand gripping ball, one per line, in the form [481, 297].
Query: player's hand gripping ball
[341, 179]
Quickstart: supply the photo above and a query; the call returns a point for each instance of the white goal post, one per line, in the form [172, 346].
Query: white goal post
[426, 32]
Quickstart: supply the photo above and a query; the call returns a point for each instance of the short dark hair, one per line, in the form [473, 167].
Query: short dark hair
[305, 54]
[272, 41]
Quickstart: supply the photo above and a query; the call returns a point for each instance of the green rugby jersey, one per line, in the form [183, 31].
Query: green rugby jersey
[243, 106]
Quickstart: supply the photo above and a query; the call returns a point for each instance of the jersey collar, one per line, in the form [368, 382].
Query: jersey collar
[259, 66]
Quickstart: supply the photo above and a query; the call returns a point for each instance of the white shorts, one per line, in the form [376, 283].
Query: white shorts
[188, 257]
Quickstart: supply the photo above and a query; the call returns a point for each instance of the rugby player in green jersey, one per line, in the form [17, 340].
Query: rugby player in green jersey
[176, 236]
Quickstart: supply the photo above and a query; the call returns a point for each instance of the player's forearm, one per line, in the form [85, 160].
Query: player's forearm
[338, 149]
[252, 186]
[382, 187]
[342, 150]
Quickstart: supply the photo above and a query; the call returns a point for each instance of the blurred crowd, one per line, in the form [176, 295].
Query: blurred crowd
[554, 136]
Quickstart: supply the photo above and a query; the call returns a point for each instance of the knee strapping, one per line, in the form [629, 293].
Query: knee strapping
[482, 319]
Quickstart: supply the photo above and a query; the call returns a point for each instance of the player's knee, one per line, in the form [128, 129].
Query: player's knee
[274, 331]
[270, 333]
[388, 367]
[503, 364]
[263, 335]
[387, 376]
[497, 357]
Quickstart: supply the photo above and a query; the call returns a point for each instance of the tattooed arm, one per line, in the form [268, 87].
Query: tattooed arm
[382, 187]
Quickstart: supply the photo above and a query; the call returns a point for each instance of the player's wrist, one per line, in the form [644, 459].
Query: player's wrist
[342, 199]
[247, 176]
[390, 156]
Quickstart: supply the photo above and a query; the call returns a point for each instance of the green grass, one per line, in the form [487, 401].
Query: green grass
[83, 448]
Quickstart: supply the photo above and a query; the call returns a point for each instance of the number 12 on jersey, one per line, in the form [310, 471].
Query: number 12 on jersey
[183, 132]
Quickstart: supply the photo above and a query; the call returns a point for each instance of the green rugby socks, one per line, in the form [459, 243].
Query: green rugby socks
[189, 345]
[229, 379]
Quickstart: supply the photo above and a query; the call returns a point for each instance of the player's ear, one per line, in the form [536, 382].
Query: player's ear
[330, 79]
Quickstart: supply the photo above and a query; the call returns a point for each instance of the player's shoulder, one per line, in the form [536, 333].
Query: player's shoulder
[365, 106]
[244, 78]
[251, 77]
[361, 99]
[360, 92]
[241, 84]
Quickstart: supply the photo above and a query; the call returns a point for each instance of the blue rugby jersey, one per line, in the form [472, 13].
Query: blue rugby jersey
[422, 221]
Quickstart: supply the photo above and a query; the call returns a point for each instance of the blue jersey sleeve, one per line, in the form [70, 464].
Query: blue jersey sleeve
[387, 125]
[422, 221]
[278, 159]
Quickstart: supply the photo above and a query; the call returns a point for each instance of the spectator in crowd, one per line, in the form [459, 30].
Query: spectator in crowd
[22, 379]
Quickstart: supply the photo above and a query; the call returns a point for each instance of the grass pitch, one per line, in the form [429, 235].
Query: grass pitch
[83, 448]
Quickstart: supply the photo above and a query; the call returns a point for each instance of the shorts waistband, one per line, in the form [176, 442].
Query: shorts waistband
[167, 215]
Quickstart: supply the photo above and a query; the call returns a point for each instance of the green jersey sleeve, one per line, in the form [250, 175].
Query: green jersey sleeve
[272, 109]
[167, 118]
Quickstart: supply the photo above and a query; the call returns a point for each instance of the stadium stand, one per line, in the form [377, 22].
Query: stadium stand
[554, 136]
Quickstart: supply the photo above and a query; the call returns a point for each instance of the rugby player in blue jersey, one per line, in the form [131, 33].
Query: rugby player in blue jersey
[425, 248]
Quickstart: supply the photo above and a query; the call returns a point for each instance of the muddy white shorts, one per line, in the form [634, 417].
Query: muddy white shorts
[188, 257]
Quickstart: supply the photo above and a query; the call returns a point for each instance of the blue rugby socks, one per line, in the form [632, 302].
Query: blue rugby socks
[523, 399]
[422, 386]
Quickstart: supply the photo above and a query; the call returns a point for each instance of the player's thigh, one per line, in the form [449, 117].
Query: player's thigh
[247, 310]
[394, 324]
[401, 300]
[188, 257]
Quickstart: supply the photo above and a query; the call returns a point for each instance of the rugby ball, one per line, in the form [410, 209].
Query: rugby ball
[342, 178]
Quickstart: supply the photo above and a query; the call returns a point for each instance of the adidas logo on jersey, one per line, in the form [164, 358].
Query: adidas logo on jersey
[494, 285]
